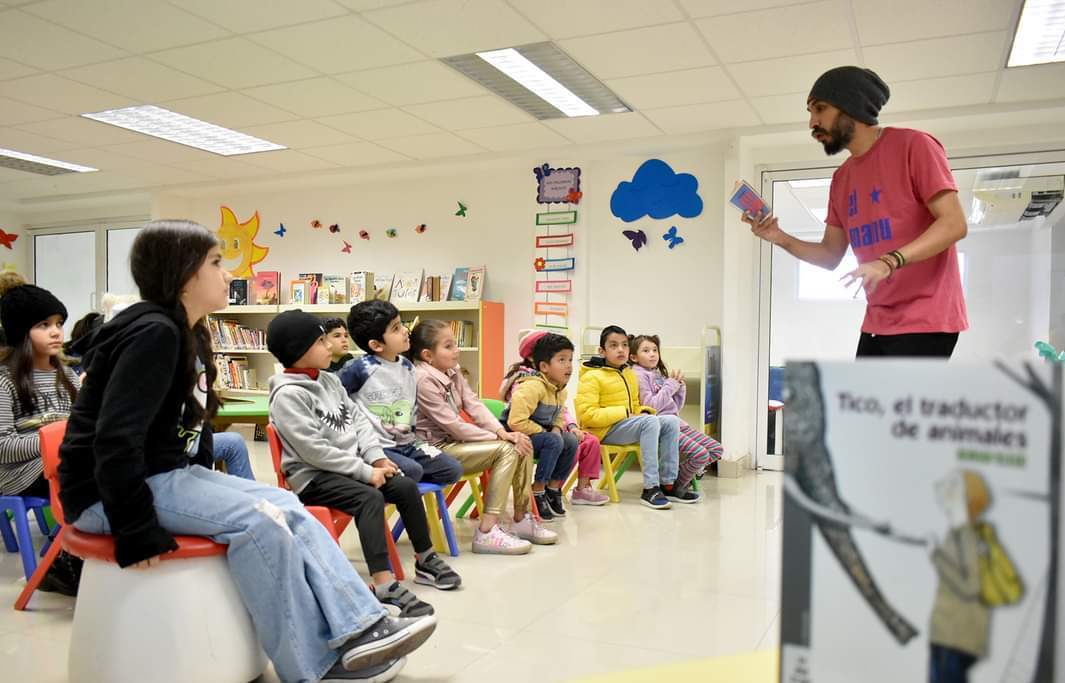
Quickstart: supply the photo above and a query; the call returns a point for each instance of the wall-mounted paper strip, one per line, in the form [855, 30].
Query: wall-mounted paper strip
[554, 286]
[549, 241]
[551, 308]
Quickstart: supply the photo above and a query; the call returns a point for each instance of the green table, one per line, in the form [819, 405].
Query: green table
[245, 409]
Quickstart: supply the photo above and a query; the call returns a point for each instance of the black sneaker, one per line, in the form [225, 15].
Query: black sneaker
[435, 572]
[554, 499]
[390, 638]
[408, 603]
[654, 499]
[382, 673]
[543, 507]
[682, 494]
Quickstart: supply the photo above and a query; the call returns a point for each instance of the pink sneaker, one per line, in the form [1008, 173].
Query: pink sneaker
[531, 530]
[499, 542]
[589, 496]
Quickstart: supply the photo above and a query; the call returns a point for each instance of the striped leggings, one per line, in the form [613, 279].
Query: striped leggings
[697, 450]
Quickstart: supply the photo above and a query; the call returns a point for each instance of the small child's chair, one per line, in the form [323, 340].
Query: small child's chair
[182, 620]
[616, 459]
[19, 540]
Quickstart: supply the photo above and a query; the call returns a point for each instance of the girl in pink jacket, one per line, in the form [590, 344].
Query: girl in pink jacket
[665, 391]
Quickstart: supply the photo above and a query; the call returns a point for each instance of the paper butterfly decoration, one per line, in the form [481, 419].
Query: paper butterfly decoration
[637, 237]
[347, 247]
[420, 228]
[280, 232]
[462, 210]
[391, 232]
[672, 237]
[6, 238]
[542, 172]
[334, 228]
[364, 235]
[316, 224]
[574, 196]
[539, 264]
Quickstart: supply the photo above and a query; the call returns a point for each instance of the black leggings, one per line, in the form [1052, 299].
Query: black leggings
[366, 505]
[923, 345]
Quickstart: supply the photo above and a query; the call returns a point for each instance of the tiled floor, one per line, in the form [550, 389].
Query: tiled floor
[626, 587]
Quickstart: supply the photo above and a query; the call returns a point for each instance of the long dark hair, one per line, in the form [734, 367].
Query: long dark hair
[164, 257]
[424, 337]
[634, 346]
[19, 362]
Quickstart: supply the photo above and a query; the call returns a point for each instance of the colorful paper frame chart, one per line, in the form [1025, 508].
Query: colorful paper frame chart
[556, 218]
[551, 241]
[554, 286]
[557, 185]
[556, 264]
[559, 308]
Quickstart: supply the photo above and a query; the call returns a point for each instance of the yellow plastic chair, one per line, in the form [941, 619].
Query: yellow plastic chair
[615, 461]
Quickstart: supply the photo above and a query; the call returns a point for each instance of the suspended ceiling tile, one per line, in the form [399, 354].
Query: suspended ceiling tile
[671, 47]
[234, 63]
[426, 81]
[515, 137]
[675, 88]
[780, 32]
[337, 45]
[142, 80]
[315, 97]
[569, 19]
[693, 118]
[134, 25]
[472, 112]
[442, 28]
[245, 16]
[44, 45]
[381, 124]
[589, 129]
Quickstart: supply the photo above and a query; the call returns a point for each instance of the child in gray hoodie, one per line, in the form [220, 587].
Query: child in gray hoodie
[331, 457]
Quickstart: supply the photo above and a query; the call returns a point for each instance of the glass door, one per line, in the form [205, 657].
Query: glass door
[1012, 267]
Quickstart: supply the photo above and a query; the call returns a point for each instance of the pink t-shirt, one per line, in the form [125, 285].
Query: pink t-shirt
[880, 199]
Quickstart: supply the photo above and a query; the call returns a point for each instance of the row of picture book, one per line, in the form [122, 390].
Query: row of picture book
[415, 286]
[234, 372]
[229, 334]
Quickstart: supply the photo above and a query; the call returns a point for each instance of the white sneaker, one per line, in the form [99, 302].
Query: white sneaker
[531, 530]
[499, 542]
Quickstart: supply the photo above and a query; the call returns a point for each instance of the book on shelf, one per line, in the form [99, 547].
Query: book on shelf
[406, 287]
[334, 290]
[475, 283]
[298, 292]
[361, 286]
[265, 288]
[314, 286]
[458, 285]
[234, 373]
[238, 292]
[465, 333]
[445, 286]
[433, 288]
[230, 334]
[382, 287]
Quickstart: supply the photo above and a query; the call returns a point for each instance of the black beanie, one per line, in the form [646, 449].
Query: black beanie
[858, 92]
[24, 306]
[290, 334]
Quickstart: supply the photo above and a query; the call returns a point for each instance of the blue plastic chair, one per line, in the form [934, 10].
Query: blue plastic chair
[445, 517]
[19, 539]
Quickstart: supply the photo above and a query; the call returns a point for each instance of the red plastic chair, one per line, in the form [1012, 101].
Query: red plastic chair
[335, 521]
[90, 546]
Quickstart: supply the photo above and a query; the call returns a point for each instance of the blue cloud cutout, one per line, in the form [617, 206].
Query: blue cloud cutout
[658, 192]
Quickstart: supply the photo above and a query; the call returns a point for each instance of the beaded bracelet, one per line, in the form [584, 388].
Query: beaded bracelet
[897, 255]
[886, 260]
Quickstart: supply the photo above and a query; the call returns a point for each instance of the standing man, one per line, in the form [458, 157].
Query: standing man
[894, 201]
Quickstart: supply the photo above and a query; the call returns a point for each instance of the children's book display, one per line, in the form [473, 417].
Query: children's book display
[265, 288]
[238, 292]
[922, 530]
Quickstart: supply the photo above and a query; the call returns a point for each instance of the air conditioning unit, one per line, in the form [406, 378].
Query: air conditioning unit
[1007, 201]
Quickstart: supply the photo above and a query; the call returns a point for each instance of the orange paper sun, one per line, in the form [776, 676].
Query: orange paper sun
[238, 243]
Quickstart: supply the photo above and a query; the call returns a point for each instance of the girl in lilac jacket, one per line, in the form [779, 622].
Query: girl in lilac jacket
[665, 391]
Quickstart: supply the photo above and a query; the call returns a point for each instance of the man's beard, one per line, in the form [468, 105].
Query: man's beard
[839, 137]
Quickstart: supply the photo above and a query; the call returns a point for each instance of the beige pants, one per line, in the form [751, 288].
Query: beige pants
[509, 470]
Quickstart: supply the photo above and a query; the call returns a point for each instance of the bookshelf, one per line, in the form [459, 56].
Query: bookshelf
[484, 360]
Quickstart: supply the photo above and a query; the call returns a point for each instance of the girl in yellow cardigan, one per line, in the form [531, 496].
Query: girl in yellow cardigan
[608, 405]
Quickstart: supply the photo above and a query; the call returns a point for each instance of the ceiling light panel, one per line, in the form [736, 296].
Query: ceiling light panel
[185, 130]
[540, 79]
[31, 163]
[1040, 35]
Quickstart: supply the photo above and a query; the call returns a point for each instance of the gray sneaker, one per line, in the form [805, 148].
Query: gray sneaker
[382, 673]
[390, 638]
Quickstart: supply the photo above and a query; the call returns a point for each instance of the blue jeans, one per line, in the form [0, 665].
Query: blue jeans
[555, 454]
[303, 595]
[439, 469]
[947, 665]
[230, 448]
[659, 439]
